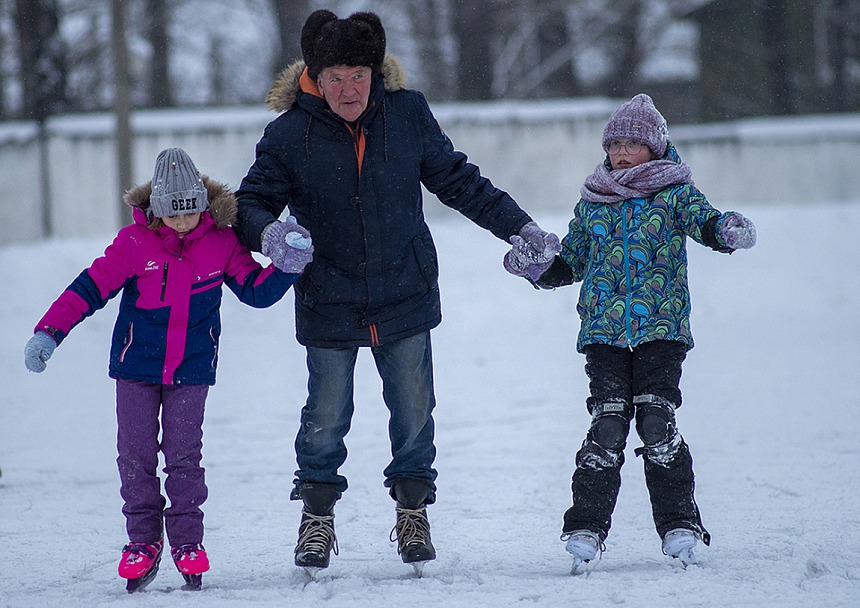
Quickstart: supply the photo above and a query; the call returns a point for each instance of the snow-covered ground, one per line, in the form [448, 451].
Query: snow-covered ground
[771, 396]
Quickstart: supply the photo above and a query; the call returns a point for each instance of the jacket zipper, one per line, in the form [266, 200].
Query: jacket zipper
[626, 260]
[164, 282]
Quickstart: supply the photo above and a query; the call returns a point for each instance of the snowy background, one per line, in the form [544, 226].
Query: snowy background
[771, 395]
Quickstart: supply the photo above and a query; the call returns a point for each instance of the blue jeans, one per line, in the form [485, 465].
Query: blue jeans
[406, 369]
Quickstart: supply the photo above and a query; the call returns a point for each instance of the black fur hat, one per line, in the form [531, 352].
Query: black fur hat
[356, 41]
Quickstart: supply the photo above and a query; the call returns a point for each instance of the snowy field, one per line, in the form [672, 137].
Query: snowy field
[771, 412]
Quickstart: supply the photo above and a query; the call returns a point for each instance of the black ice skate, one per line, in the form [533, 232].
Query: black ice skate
[317, 539]
[412, 528]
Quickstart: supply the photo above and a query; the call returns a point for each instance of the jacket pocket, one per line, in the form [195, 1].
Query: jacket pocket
[127, 341]
[213, 333]
[310, 284]
[428, 262]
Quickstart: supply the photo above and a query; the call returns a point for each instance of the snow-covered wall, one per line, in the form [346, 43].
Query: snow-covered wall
[539, 151]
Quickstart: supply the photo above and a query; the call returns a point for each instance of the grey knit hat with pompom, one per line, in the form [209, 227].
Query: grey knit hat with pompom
[638, 119]
[177, 188]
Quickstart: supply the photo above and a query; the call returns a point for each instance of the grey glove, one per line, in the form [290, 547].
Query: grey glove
[532, 252]
[736, 231]
[38, 350]
[288, 245]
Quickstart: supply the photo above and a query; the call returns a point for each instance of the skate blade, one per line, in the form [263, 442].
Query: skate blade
[312, 572]
[136, 585]
[193, 582]
[418, 568]
[688, 562]
[582, 568]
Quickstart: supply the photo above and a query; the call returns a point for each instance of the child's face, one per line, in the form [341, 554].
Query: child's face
[182, 224]
[626, 153]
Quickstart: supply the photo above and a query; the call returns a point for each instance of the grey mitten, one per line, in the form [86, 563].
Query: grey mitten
[288, 245]
[532, 253]
[38, 350]
[736, 231]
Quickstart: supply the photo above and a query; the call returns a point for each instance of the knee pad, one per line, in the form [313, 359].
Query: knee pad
[610, 424]
[655, 423]
[593, 456]
[655, 419]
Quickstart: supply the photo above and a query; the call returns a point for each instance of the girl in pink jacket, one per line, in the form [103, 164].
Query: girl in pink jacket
[170, 265]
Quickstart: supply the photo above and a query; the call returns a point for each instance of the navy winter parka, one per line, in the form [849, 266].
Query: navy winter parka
[374, 275]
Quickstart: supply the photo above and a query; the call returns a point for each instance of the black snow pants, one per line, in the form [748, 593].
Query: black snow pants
[640, 385]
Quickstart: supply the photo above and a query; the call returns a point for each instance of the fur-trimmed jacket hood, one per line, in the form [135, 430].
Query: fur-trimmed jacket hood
[222, 202]
[287, 86]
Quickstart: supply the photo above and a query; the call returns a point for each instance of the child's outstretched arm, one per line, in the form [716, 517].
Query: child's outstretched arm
[89, 292]
[722, 232]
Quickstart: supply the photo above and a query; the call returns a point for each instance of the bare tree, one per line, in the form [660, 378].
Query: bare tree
[122, 99]
[536, 59]
[289, 16]
[474, 25]
[431, 31]
[777, 60]
[160, 88]
[41, 57]
[845, 53]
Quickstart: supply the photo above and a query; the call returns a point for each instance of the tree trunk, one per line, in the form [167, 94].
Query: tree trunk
[290, 16]
[41, 57]
[778, 68]
[160, 87]
[473, 24]
[122, 104]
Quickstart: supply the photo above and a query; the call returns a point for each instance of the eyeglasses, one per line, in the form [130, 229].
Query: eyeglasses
[632, 147]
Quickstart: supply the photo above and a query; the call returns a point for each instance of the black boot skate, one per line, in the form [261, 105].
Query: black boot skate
[412, 529]
[316, 530]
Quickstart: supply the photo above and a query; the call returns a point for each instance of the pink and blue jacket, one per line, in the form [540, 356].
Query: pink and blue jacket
[169, 322]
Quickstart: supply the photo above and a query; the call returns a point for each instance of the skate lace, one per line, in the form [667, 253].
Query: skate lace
[187, 552]
[133, 551]
[316, 533]
[412, 528]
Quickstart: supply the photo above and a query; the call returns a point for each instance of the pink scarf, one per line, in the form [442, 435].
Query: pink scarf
[641, 181]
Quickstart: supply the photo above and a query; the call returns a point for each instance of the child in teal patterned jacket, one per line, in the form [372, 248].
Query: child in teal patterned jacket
[627, 244]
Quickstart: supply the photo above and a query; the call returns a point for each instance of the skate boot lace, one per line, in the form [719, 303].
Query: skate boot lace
[139, 551]
[316, 533]
[412, 528]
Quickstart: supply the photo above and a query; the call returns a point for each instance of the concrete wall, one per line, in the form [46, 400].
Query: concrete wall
[540, 152]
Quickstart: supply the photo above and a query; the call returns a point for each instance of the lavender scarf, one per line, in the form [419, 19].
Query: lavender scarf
[641, 181]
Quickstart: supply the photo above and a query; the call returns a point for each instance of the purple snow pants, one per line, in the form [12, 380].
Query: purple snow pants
[137, 413]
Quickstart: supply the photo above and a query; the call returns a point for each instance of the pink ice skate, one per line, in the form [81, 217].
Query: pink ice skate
[139, 564]
[192, 562]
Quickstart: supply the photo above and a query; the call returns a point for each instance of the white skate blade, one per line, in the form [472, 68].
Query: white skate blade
[418, 568]
[312, 572]
[687, 558]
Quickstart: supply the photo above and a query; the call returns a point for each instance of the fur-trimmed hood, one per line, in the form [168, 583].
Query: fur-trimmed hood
[222, 202]
[287, 85]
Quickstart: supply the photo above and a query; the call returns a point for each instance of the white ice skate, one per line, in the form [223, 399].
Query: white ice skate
[583, 545]
[679, 543]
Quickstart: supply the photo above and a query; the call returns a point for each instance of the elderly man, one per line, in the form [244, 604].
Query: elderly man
[347, 156]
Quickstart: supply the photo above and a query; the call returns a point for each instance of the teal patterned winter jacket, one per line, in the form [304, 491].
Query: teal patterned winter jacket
[631, 257]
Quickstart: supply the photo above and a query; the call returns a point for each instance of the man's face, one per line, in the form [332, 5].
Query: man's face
[346, 89]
